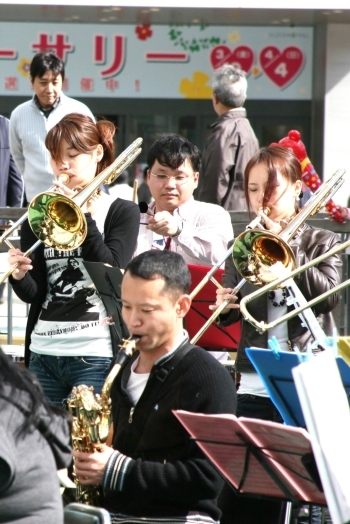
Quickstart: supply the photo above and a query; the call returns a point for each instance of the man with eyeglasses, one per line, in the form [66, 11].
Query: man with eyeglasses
[174, 220]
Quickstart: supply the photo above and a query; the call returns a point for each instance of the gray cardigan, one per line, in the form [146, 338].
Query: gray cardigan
[28, 130]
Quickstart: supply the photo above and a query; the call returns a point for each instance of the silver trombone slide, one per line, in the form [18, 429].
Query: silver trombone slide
[262, 326]
[209, 276]
[7, 233]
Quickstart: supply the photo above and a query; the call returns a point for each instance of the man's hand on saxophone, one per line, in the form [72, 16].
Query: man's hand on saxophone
[90, 467]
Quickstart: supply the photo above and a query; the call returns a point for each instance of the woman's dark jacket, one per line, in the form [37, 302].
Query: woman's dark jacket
[307, 244]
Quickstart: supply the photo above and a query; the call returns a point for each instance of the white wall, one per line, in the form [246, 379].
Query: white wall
[337, 106]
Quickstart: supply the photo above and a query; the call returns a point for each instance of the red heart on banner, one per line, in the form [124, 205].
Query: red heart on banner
[241, 57]
[281, 67]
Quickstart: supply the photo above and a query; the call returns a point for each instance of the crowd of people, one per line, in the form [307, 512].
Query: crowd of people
[150, 470]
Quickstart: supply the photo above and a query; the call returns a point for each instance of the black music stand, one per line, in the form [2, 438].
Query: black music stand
[108, 280]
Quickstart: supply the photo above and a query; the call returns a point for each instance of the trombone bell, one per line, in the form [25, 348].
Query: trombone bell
[255, 252]
[57, 221]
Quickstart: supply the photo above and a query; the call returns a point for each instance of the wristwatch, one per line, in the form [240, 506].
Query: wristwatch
[179, 229]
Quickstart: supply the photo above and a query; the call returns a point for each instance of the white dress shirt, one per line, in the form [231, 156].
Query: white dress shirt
[206, 230]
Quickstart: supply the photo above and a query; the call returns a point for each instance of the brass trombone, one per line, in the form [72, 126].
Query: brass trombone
[58, 221]
[256, 223]
[64, 178]
[209, 276]
[262, 326]
[256, 251]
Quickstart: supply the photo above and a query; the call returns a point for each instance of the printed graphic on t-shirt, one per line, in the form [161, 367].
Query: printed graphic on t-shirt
[73, 320]
[70, 296]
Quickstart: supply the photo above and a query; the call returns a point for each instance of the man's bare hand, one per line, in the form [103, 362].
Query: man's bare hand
[90, 467]
[163, 223]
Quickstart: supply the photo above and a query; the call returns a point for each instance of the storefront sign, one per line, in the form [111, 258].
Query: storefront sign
[159, 61]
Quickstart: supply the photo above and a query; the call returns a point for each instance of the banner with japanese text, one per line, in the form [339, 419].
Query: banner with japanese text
[159, 61]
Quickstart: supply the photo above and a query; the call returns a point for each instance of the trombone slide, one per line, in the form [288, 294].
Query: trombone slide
[217, 312]
[262, 326]
[209, 276]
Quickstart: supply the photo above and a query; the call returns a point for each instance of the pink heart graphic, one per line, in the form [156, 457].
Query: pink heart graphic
[242, 57]
[282, 67]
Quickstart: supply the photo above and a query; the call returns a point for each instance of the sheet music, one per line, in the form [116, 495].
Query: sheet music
[227, 452]
[326, 411]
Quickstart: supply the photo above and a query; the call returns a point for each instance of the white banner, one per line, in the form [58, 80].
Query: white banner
[160, 61]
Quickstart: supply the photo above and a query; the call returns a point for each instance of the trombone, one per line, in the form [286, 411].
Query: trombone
[64, 178]
[262, 326]
[256, 251]
[58, 221]
[256, 223]
[209, 276]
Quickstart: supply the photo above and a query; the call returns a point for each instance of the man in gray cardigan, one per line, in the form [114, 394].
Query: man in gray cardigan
[30, 122]
[230, 145]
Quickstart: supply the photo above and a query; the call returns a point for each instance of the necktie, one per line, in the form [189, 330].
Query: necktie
[167, 244]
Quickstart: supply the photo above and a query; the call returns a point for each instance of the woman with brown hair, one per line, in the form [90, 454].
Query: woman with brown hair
[68, 346]
[272, 179]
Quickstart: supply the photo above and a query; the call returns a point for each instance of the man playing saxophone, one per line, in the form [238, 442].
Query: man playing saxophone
[153, 470]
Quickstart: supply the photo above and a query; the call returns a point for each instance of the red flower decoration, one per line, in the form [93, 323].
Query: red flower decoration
[143, 31]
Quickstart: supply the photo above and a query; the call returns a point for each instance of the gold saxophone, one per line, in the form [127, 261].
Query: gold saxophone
[92, 418]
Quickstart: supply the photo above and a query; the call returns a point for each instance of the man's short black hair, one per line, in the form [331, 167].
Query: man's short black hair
[171, 150]
[167, 265]
[43, 62]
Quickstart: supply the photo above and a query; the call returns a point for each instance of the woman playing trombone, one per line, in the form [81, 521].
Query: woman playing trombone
[68, 338]
[273, 181]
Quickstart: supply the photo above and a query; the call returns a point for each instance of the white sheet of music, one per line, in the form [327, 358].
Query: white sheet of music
[327, 416]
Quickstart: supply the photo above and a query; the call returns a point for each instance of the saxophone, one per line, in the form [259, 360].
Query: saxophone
[92, 417]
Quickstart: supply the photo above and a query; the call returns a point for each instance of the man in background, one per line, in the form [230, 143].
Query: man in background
[30, 122]
[230, 145]
[198, 231]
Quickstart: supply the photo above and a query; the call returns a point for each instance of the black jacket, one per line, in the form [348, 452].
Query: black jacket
[166, 474]
[307, 244]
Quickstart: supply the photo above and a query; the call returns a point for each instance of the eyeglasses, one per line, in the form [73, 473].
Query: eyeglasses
[179, 180]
